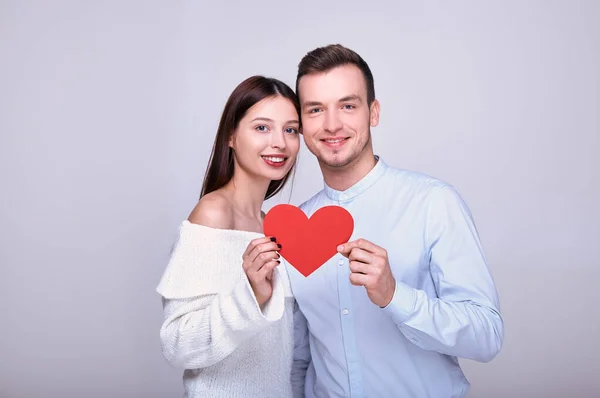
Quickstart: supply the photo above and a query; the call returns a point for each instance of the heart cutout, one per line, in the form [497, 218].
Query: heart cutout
[307, 243]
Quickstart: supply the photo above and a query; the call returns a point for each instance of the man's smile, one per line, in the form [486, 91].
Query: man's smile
[334, 142]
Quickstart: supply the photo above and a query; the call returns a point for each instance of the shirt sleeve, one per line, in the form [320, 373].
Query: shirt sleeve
[301, 356]
[201, 331]
[464, 319]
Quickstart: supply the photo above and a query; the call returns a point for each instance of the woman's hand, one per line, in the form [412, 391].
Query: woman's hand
[259, 262]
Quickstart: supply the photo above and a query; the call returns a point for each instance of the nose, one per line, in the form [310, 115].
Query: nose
[278, 140]
[332, 122]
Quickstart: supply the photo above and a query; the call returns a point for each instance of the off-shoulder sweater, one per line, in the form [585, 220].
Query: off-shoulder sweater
[213, 326]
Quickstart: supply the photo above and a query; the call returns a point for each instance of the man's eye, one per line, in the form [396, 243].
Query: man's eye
[314, 110]
[348, 106]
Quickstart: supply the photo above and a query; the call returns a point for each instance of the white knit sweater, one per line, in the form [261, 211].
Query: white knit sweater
[213, 326]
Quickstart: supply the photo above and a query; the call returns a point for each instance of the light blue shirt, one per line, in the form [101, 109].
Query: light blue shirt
[445, 304]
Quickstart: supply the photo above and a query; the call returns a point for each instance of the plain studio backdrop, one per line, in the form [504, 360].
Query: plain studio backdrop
[108, 112]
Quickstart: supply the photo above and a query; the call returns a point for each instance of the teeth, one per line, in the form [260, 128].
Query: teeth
[334, 141]
[274, 159]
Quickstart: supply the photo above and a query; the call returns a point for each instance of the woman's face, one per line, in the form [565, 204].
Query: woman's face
[267, 141]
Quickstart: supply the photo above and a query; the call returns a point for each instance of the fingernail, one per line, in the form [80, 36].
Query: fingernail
[273, 239]
[340, 248]
[279, 246]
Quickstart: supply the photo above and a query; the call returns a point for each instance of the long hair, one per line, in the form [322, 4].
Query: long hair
[244, 96]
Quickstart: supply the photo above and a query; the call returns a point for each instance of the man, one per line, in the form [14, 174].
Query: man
[389, 315]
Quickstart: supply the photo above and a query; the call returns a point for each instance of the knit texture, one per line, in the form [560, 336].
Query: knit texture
[213, 326]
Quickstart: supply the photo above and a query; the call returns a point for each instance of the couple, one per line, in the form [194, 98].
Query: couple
[387, 316]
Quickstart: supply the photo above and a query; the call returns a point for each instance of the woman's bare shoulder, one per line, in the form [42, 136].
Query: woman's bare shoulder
[213, 210]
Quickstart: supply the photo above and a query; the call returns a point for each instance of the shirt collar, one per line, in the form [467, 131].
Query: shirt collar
[361, 186]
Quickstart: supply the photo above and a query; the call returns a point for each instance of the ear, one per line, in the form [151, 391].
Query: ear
[231, 141]
[374, 113]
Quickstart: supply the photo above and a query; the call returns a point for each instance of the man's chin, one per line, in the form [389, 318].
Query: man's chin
[336, 163]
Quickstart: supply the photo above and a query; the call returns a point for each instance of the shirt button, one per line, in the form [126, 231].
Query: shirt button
[341, 262]
[345, 312]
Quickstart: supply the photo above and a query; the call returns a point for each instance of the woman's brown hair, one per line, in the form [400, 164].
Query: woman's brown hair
[243, 97]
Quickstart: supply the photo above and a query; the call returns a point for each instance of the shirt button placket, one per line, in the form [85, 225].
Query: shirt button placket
[348, 336]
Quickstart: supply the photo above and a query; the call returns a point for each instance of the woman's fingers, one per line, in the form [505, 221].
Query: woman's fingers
[261, 249]
[267, 269]
[254, 243]
[260, 254]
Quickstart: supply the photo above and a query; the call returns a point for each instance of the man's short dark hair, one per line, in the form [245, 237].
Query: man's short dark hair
[323, 59]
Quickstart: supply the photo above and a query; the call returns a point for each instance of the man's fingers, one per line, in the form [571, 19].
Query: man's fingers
[359, 279]
[361, 255]
[359, 267]
[363, 244]
[346, 248]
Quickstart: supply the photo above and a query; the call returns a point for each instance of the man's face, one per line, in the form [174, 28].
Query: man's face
[336, 118]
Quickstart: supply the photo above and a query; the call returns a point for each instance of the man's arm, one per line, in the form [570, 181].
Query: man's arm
[464, 319]
[302, 355]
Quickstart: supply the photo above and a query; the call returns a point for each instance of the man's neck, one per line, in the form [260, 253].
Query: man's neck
[343, 178]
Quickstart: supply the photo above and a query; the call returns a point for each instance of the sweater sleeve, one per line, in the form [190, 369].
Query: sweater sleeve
[209, 306]
[201, 331]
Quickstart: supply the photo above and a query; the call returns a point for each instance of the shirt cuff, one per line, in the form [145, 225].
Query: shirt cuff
[403, 303]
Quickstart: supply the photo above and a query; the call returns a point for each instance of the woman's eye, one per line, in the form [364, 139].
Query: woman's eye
[291, 130]
[261, 128]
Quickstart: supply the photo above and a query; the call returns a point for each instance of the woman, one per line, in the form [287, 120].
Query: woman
[227, 302]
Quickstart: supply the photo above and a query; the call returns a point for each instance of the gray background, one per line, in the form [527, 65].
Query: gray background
[107, 115]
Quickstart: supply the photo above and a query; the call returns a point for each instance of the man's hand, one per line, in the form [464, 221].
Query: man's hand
[370, 268]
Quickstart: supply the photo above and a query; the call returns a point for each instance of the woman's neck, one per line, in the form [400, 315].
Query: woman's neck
[247, 194]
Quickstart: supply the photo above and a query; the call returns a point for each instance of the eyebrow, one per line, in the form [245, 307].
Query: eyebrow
[266, 119]
[352, 97]
[311, 103]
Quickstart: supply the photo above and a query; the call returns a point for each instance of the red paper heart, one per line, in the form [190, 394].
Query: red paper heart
[308, 243]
